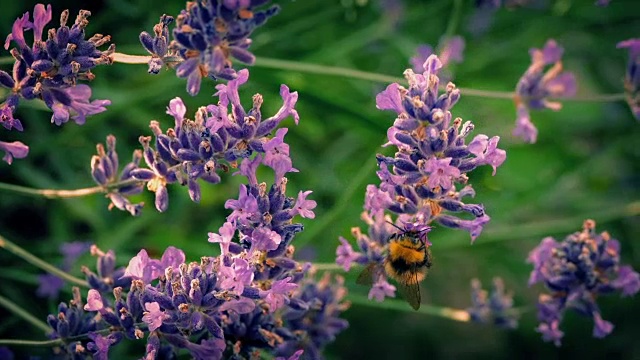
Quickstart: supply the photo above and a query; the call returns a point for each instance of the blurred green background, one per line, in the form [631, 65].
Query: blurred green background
[585, 164]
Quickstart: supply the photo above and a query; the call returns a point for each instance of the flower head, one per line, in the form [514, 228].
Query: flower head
[495, 308]
[426, 179]
[575, 272]
[50, 69]
[632, 77]
[536, 87]
[206, 37]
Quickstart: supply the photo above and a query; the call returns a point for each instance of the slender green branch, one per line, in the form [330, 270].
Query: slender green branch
[327, 266]
[65, 194]
[597, 98]
[324, 70]
[454, 19]
[391, 304]
[32, 259]
[18, 342]
[15, 309]
[4, 60]
[369, 76]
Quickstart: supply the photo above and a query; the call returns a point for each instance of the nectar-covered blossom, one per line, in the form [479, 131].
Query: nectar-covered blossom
[492, 308]
[537, 87]
[207, 35]
[575, 272]
[51, 68]
[426, 181]
[632, 76]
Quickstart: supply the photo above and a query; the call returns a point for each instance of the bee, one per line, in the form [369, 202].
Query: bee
[407, 262]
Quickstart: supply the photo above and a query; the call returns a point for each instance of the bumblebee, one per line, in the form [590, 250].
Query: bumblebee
[407, 262]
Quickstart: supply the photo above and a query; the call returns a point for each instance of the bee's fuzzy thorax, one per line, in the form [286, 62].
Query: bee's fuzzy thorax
[407, 251]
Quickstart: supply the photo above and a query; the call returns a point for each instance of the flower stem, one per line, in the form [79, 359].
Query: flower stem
[324, 70]
[454, 18]
[34, 260]
[375, 77]
[18, 342]
[15, 309]
[391, 304]
[7, 60]
[130, 59]
[326, 266]
[65, 194]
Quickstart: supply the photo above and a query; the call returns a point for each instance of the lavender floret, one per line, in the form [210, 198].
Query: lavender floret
[207, 35]
[575, 272]
[537, 86]
[632, 76]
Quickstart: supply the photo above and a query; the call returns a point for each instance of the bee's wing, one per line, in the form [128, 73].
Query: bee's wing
[411, 291]
[367, 275]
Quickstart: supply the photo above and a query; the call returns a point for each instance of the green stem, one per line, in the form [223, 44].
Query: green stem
[454, 18]
[18, 342]
[369, 76]
[32, 259]
[324, 70]
[15, 309]
[65, 194]
[326, 266]
[391, 304]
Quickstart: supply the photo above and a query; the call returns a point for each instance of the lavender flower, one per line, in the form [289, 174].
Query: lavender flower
[104, 170]
[632, 77]
[101, 344]
[50, 69]
[319, 324]
[107, 277]
[496, 308]
[158, 45]
[13, 150]
[214, 142]
[251, 297]
[421, 182]
[576, 271]
[536, 87]
[206, 36]
[70, 321]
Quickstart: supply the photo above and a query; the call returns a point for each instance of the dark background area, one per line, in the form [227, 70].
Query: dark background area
[585, 164]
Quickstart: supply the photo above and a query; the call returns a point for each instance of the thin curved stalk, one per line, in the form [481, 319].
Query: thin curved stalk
[36, 261]
[17, 310]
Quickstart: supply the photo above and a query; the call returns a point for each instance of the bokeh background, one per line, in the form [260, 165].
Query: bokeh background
[584, 165]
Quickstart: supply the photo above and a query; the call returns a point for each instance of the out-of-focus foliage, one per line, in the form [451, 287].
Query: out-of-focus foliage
[584, 165]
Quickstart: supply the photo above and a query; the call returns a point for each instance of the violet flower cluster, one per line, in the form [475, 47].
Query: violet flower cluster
[49, 70]
[537, 87]
[632, 76]
[207, 35]
[220, 136]
[495, 308]
[420, 183]
[252, 297]
[576, 271]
